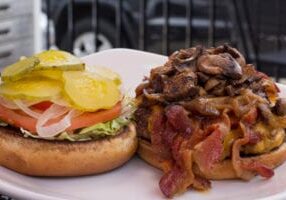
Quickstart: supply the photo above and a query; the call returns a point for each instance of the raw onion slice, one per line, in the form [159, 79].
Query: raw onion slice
[8, 104]
[56, 128]
[11, 104]
[26, 109]
[51, 113]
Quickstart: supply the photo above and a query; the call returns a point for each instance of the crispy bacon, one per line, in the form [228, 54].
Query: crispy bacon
[259, 168]
[178, 179]
[170, 181]
[236, 159]
[157, 128]
[254, 137]
[201, 183]
[209, 151]
[176, 149]
[178, 117]
[169, 134]
[177, 122]
[198, 135]
[245, 169]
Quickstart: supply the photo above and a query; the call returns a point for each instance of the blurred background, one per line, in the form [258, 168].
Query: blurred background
[255, 27]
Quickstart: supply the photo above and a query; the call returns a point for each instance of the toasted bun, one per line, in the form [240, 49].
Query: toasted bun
[223, 170]
[38, 157]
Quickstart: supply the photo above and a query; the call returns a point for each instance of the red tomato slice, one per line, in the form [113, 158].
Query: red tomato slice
[91, 118]
[86, 119]
[44, 105]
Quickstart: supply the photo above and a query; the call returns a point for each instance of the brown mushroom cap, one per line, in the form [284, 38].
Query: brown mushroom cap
[216, 64]
[232, 51]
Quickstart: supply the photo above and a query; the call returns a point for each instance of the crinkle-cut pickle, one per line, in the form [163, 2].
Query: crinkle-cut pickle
[107, 73]
[17, 70]
[90, 94]
[32, 89]
[51, 74]
[56, 59]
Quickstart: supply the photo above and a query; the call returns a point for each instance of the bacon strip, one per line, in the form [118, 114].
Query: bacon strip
[201, 183]
[259, 168]
[181, 141]
[157, 127]
[178, 179]
[210, 150]
[246, 169]
[236, 159]
[178, 118]
[171, 181]
[254, 137]
[169, 134]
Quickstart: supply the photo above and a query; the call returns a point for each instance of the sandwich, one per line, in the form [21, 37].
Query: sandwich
[208, 115]
[59, 119]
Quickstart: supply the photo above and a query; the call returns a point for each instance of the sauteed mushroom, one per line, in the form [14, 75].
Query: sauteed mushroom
[220, 64]
[201, 106]
[211, 83]
[181, 85]
[280, 107]
[232, 51]
[202, 72]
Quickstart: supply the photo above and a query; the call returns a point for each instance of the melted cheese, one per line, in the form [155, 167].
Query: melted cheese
[270, 139]
[228, 141]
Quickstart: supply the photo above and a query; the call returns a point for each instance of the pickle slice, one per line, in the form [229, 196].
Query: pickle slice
[89, 94]
[31, 89]
[51, 74]
[56, 59]
[17, 70]
[107, 73]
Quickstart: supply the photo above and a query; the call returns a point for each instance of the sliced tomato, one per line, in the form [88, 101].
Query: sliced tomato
[91, 118]
[84, 120]
[17, 119]
[44, 105]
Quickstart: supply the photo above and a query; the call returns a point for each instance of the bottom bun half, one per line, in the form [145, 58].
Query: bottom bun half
[220, 171]
[38, 157]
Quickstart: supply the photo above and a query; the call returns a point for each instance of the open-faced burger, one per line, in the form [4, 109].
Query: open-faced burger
[207, 115]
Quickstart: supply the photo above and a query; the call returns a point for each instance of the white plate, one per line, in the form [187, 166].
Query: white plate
[136, 179]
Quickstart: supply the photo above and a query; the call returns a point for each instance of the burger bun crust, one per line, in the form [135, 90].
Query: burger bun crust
[39, 157]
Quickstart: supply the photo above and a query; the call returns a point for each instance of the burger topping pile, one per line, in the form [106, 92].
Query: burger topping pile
[205, 106]
[50, 95]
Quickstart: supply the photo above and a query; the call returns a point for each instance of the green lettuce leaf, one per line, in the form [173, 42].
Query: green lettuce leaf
[109, 128]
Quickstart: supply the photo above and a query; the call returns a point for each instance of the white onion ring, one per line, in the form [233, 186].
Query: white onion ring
[26, 109]
[53, 112]
[56, 128]
[11, 104]
[8, 104]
